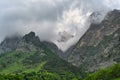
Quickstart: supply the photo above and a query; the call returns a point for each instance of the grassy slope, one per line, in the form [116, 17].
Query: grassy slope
[18, 62]
[49, 66]
[112, 73]
[117, 79]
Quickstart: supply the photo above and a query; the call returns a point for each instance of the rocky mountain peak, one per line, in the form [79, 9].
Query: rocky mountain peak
[97, 48]
[29, 36]
[26, 43]
[114, 13]
[32, 38]
[96, 17]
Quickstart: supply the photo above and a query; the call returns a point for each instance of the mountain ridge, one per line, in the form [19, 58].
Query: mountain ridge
[92, 52]
[30, 56]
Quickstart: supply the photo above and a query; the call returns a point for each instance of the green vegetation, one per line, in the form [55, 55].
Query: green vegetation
[112, 73]
[45, 65]
[38, 65]
[117, 79]
[42, 75]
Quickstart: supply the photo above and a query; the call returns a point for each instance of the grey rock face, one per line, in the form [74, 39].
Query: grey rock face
[9, 44]
[100, 46]
[28, 43]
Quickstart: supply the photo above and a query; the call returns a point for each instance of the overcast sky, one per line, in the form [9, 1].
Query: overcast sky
[60, 21]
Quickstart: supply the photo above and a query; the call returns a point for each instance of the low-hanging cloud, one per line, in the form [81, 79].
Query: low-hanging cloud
[60, 21]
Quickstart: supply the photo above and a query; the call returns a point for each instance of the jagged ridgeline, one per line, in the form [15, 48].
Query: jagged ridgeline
[100, 45]
[28, 55]
[27, 58]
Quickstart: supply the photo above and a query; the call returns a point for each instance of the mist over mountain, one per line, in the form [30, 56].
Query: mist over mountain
[60, 40]
[60, 21]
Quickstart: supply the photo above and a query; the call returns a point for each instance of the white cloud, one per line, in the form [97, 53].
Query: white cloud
[48, 18]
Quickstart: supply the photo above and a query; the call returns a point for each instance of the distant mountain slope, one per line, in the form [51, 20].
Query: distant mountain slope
[100, 46]
[17, 43]
[55, 49]
[29, 54]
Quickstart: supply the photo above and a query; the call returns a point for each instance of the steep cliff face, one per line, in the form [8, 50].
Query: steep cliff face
[100, 46]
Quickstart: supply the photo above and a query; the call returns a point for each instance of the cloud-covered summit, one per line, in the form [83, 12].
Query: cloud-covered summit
[60, 21]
